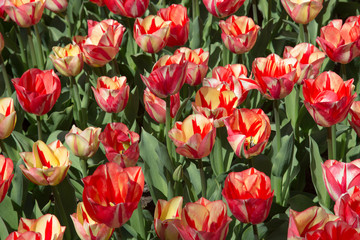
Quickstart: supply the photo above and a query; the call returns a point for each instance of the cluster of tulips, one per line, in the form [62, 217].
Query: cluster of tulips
[113, 191]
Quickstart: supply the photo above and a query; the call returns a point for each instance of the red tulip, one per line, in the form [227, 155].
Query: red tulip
[249, 196]
[6, 175]
[24, 13]
[2, 10]
[334, 231]
[302, 11]
[355, 117]
[223, 8]
[24, 236]
[347, 206]
[56, 5]
[179, 27]
[127, 8]
[112, 193]
[340, 42]
[37, 90]
[121, 144]
[7, 117]
[328, 98]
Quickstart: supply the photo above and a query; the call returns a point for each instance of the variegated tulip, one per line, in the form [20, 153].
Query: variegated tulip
[128, 8]
[302, 11]
[25, 13]
[340, 42]
[68, 60]
[7, 117]
[46, 164]
[6, 175]
[355, 117]
[112, 193]
[215, 104]
[111, 94]
[275, 76]
[56, 5]
[151, 33]
[194, 137]
[347, 206]
[156, 107]
[102, 43]
[223, 8]
[239, 34]
[121, 144]
[197, 64]
[204, 219]
[310, 59]
[24, 236]
[328, 98]
[248, 194]
[83, 144]
[166, 213]
[167, 76]
[86, 228]
[335, 230]
[180, 23]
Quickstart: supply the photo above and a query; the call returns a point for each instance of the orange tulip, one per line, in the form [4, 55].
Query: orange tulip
[7, 117]
[6, 175]
[25, 13]
[302, 11]
[68, 60]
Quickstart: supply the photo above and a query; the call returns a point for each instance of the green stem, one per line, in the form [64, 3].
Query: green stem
[296, 110]
[250, 163]
[276, 103]
[141, 221]
[85, 103]
[2, 149]
[115, 67]
[254, 8]
[74, 91]
[256, 233]
[306, 33]
[114, 117]
[83, 165]
[343, 71]
[61, 210]
[225, 56]
[32, 49]
[202, 177]
[6, 77]
[278, 189]
[168, 126]
[117, 233]
[269, 9]
[195, 9]
[21, 46]
[301, 34]
[217, 154]
[39, 49]
[153, 56]
[241, 59]
[38, 119]
[331, 142]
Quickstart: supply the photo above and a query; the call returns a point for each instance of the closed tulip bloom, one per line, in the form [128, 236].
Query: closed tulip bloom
[121, 144]
[355, 117]
[347, 206]
[156, 107]
[151, 33]
[339, 176]
[194, 137]
[46, 164]
[100, 3]
[86, 228]
[7, 117]
[102, 43]
[214, 104]
[167, 76]
[302, 11]
[128, 8]
[166, 213]
[328, 98]
[340, 42]
[24, 236]
[68, 60]
[197, 64]
[334, 231]
[111, 94]
[83, 144]
[6, 175]
[223, 8]
[249, 196]
[204, 219]
[56, 5]
[37, 90]
[112, 193]
[275, 76]
[239, 34]
[310, 59]
[25, 13]
[180, 23]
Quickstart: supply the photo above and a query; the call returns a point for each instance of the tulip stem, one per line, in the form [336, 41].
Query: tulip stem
[61, 210]
[83, 165]
[296, 110]
[202, 177]
[269, 9]
[32, 49]
[85, 103]
[39, 49]
[21, 46]
[114, 117]
[74, 91]
[6, 77]
[168, 126]
[254, 8]
[276, 103]
[38, 119]
[343, 71]
[331, 141]
[256, 233]
[195, 9]
[225, 56]
[140, 221]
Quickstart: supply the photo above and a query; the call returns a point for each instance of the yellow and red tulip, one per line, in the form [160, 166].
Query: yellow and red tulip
[6, 175]
[302, 11]
[128, 8]
[56, 5]
[68, 60]
[25, 13]
[24, 236]
[355, 117]
[223, 8]
[347, 206]
[7, 117]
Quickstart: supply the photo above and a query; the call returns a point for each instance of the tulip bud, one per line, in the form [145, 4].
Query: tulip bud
[7, 117]
[178, 174]
[68, 60]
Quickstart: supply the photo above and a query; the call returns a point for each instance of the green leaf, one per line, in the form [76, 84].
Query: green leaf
[8, 214]
[3, 230]
[195, 32]
[283, 158]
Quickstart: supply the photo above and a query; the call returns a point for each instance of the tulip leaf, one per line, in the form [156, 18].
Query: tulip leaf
[300, 202]
[19, 185]
[281, 161]
[3, 230]
[195, 32]
[59, 120]
[8, 214]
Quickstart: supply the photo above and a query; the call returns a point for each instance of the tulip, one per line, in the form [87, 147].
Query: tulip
[46, 164]
[248, 131]
[24, 13]
[100, 3]
[2, 43]
[68, 60]
[102, 43]
[197, 64]
[180, 23]
[112, 193]
[223, 8]
[355, 117]
[128, 8]
[56, 5]
[204, 219]
[328, 98]
[83, 144]
[37, 90]
[156, 107]
[7, 117]
[239, 33]
[166, 213]
[248, 194]
[121, 144]
[47, 225]
[167, 76]
[275, 76]
[307, 221]
[111, 94]
[24, 236]
[340, 42]
[214, 104]
[302, 11]
[86, 228]
[339, 176]
[310, 59]
[6, 175]
[347, 206]
[333, 231]
[194, 137]
[2, 10]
